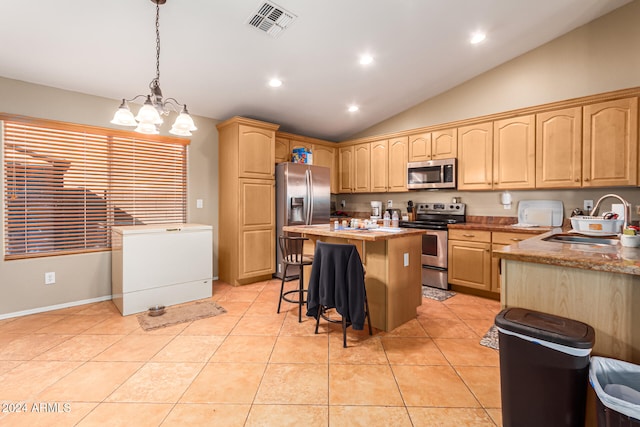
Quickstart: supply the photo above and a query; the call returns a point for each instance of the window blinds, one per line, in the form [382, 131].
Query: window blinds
[66, 185]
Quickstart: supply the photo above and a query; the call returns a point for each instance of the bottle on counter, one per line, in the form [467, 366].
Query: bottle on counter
[386, 219]
[395, 220]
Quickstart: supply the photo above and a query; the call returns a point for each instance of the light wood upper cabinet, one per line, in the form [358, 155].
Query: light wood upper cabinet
[282, 153]
[475, 157]
[345, 169]
[420, 147]
[559, 148]
[514, 153]
[362, 168]
[610, 143]
[379, 166]
[256, 152]
[441, 144]
[326, 156]
[398, 156]
[444, 144]
[293, 144]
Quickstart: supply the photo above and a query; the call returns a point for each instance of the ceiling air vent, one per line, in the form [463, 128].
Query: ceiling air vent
[271, 19]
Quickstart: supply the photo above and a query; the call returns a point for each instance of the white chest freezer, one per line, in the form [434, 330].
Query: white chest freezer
[160, 264]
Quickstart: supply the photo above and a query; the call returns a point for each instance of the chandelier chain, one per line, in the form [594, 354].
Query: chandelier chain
[158, 42]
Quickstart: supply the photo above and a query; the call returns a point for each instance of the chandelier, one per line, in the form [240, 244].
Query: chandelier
[149, 117]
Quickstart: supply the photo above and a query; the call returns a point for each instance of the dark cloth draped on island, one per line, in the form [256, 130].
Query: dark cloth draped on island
[337, 281]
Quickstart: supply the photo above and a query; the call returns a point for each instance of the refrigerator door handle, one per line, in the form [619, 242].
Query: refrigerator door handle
[309, 178]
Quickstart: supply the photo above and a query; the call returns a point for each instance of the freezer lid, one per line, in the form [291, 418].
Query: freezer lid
[159, 228]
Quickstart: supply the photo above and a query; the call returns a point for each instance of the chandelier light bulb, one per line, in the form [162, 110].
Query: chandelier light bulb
[149, 117]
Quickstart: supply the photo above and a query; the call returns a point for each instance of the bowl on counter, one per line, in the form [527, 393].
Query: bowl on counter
[630, 241]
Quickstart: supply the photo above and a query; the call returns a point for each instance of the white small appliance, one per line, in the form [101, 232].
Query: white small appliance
[376, 210]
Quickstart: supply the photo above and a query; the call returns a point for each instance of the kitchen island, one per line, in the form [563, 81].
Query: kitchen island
[393, 268]
[595, 284]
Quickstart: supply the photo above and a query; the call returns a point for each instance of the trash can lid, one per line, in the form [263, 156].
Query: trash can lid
[547, 327]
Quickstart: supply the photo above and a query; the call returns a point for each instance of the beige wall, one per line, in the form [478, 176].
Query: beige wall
[88, 276]
[598, 57]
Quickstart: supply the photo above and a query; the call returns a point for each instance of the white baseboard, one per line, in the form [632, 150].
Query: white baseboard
[53, 307]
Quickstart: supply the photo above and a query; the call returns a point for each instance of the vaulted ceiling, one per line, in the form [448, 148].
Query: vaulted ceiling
[215, 62]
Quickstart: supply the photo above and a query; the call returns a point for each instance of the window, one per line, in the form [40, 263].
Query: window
[66, 185]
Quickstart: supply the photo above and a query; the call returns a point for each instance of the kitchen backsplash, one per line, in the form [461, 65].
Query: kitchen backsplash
[487, 203]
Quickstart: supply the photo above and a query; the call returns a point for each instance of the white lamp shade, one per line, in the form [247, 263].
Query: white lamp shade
[148, 114]
[147, 128]
[180, 132]
[184, 122]
[124, 117]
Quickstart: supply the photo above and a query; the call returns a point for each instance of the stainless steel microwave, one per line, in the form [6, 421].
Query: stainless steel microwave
[432, 174]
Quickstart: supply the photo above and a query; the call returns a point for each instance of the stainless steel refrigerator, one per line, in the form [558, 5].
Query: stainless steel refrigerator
[303, 195]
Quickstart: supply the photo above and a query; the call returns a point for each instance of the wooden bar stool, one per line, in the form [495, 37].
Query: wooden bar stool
[291, 248]
[337, 281]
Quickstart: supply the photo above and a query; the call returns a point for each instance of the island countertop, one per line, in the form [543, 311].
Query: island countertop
[371, 235]
[613, 259]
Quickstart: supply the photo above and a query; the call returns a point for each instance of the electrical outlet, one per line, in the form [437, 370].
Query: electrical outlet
[50, 278]
[638, 209]
[199, 203]
[343, 203]
[389, 204]
[406, 259]
[587, 205]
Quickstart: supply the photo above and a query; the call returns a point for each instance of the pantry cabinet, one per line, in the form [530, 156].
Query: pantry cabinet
[247, 200]
[610, 143]
[398, 156]
[379, 168]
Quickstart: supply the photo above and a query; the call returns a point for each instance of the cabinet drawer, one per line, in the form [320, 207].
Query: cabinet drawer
[470, 235]
[507, 238]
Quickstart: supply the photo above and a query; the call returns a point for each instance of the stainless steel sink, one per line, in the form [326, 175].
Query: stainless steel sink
[581, 239]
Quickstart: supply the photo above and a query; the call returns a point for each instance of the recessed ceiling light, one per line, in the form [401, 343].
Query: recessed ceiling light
[477, 37]
[353, 108]
[366, 59]
[275, 82]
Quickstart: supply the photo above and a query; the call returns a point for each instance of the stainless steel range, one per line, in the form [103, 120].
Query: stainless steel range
[434, 217]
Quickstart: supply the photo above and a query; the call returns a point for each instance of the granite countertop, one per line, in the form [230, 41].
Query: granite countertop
[613, 259]
[368, 235]
[497, 223]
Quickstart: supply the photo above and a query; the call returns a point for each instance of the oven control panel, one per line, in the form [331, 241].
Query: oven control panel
[440, 208]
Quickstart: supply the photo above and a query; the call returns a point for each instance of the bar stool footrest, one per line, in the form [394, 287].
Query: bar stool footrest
[296, 301]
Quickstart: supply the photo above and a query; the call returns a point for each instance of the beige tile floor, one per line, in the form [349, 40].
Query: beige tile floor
[89, 366]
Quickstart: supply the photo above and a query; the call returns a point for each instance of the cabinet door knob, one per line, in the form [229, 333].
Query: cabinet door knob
[469, 235]
[577, 179]
[515, 239]
[586, 179]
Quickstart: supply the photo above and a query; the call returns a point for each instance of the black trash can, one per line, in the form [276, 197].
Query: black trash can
[617, 387]
[544, 368]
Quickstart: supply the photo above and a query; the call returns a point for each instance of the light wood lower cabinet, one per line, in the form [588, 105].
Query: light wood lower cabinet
[470, 258]
[471, 261]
